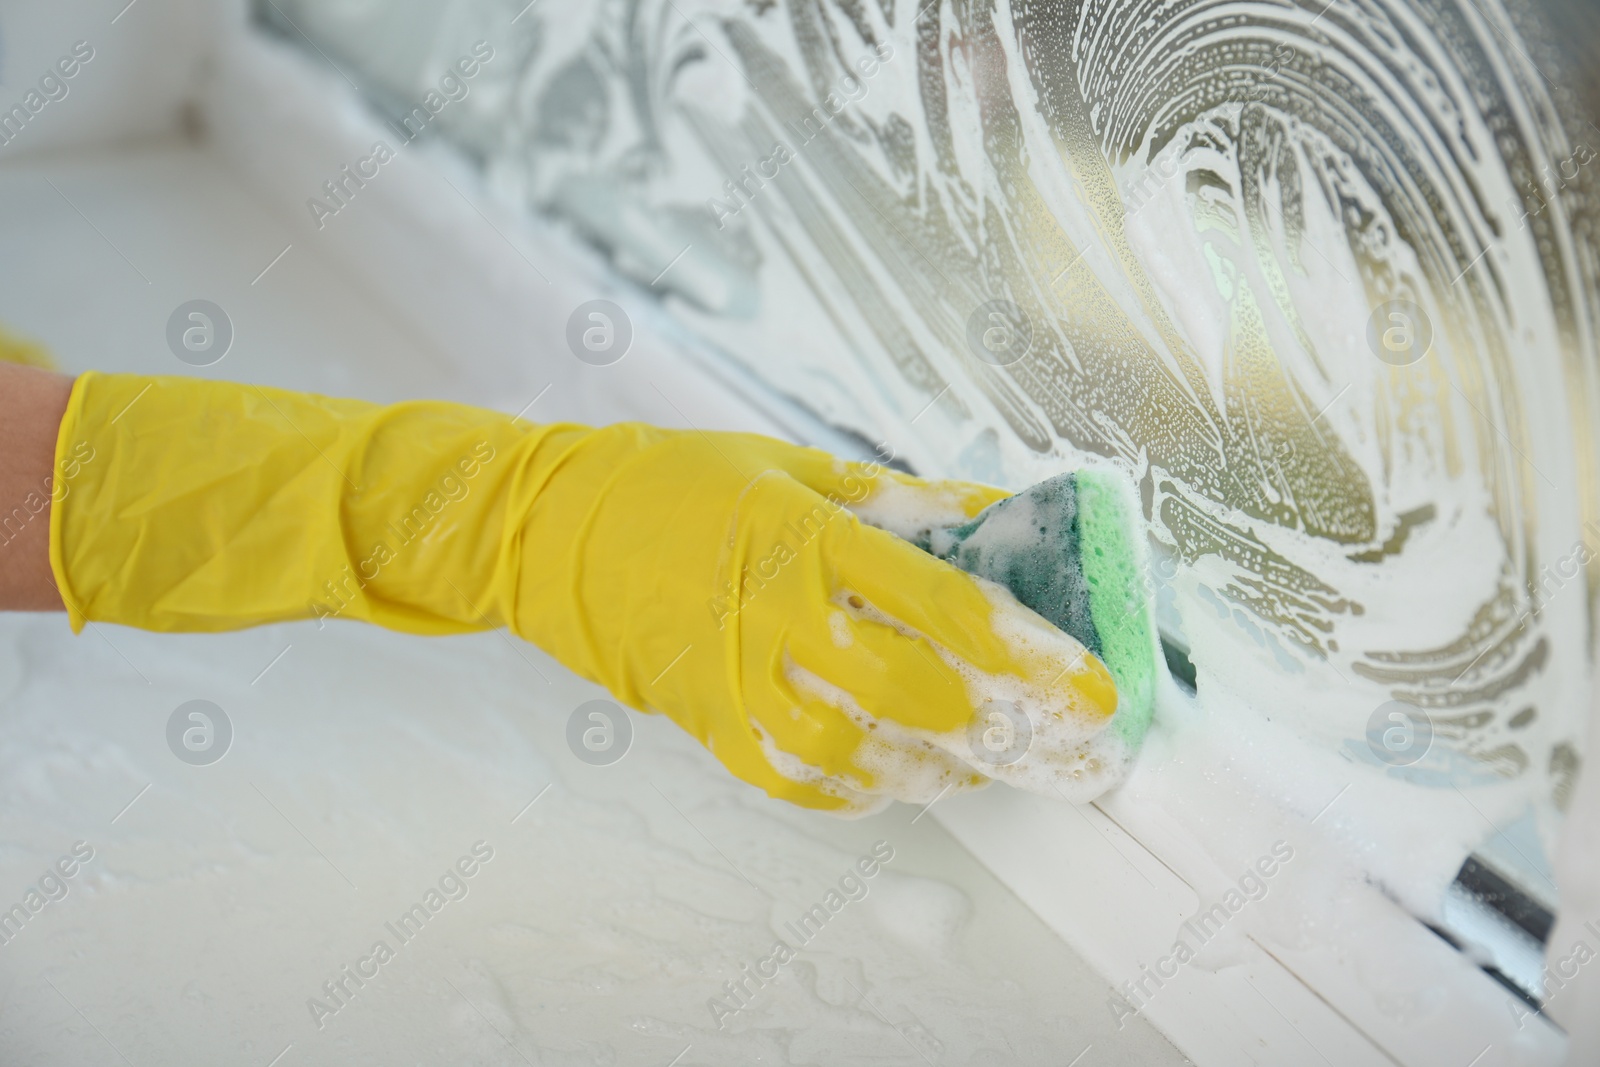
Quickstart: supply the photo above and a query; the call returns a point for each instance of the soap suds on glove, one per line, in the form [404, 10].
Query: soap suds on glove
[1067, 731]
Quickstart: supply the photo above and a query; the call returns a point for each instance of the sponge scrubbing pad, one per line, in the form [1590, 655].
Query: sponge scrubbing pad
[1072, 549]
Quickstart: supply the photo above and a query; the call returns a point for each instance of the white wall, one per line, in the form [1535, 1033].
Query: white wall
[147, 60]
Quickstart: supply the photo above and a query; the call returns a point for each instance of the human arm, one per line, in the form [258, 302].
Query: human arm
[722, 579]
[31, 404]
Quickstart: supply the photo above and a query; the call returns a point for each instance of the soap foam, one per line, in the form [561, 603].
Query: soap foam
[1070, 755]
[906, 764]
[912, 512]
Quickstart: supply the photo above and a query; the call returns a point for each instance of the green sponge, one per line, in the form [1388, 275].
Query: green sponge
[1071, 548]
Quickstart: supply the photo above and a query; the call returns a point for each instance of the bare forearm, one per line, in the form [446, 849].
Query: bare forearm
[31, 405]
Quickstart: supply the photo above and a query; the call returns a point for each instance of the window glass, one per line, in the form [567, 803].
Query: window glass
[1316, 277]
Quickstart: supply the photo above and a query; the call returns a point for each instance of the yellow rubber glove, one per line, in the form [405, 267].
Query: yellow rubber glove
[718, 578]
